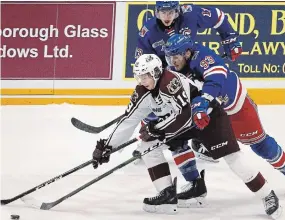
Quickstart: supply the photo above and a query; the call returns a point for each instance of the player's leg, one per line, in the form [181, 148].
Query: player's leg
[159, 172]
[220, 140]
[201, 151]
[248, 130]
[194, 192]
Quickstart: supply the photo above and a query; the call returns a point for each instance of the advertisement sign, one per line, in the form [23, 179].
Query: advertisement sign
[261, 26]
[57, 40]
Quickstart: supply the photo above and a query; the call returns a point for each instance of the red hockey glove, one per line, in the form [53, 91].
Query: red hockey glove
[201, 120]
[232, 47]
[199, 107]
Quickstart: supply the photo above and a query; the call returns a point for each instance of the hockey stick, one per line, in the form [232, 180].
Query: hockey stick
[136, 155]
[91, 129]
[7, 201]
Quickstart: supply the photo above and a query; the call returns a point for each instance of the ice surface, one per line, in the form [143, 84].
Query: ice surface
[39, 142]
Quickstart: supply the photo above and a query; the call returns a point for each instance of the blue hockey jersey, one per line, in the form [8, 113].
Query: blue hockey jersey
[153, 35]
[219, 81]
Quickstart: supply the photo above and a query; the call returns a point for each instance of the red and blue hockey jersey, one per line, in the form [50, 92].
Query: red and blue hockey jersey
[153, 35]
[219, 81]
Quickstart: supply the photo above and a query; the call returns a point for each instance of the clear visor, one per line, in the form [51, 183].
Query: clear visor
[142, 78]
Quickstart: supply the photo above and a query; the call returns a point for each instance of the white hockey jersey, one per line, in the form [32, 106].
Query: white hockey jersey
[170, 101]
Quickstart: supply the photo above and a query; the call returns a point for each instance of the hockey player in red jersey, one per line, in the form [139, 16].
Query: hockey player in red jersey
[201, 64]
[171, 93]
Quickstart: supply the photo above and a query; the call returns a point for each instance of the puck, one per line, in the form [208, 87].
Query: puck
[15, 217]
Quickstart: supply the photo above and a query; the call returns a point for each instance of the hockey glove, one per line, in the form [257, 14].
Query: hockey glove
[101, 154]
[232, 46]
[199, 108]
[150, 133]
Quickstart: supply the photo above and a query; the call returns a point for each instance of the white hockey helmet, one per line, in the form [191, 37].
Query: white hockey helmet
[148, 64]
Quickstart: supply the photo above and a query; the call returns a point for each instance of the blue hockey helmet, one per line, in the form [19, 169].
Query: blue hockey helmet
[178, 44]
[166, 5]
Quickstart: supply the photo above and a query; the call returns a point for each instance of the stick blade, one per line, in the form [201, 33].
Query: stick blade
[30, 201]
[5, 201]
[47, 206]
[85, 127]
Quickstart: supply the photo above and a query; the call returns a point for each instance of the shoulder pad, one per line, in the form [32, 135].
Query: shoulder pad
[170, 82]
[138, 93]
[186, 8]
[147, 27]
[143, 31]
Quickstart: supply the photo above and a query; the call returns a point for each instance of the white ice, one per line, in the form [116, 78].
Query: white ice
[39, 142]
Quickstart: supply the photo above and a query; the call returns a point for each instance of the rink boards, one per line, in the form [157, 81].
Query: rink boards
[86, 51]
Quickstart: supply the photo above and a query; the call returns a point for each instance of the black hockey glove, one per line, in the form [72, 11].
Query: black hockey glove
[101, 154]
[150, 133]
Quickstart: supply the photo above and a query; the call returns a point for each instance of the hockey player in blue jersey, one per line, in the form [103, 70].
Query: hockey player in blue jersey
[201, 64]
[171, 18]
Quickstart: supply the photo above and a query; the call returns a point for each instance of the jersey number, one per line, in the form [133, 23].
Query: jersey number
[130, 106]
[207, 61]
[183, 98]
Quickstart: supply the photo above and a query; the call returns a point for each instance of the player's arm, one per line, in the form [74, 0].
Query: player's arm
[210, 17]
[136, 110]
[214, 72]
[143, 44]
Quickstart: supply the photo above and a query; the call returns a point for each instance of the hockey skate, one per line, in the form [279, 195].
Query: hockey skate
[272, 207]
[193, 194]
[201, 151]
[164, 202]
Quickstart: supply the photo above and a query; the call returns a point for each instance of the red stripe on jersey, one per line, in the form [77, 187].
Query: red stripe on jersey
[238, 96]
[216, 69]
[182, 158]
[220, 17]
[281, 161]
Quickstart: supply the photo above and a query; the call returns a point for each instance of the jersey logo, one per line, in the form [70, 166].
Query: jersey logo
[196, 53]
[143, 31]
[185, 31]
[158, 43]
[156, 109]
[186, 8]
[134, 96]
[223, 100]
[158, 100]
[206, 12]
[138, 52]
[174, 86]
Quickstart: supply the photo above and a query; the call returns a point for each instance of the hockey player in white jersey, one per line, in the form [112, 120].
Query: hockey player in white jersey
[169, 92]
